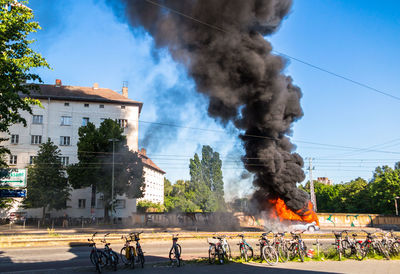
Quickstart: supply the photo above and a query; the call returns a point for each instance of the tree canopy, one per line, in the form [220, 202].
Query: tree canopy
[95, 155]
[359, 196]
[47, 185]
[205, 190]
[16, 61]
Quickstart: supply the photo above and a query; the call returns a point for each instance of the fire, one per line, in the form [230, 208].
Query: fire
[281, 211]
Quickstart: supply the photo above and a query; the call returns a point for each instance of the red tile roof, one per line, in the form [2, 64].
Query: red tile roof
[149, 163]
[88, 94]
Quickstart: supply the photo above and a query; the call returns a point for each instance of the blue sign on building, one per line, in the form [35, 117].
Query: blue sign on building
[12, 193]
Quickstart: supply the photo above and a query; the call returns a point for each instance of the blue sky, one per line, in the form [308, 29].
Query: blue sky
[85, 42]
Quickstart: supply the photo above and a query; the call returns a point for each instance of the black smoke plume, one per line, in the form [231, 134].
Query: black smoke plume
[221, 42]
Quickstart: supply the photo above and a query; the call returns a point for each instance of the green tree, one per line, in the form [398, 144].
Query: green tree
[16, 61]
[95, 155]
[384, 187]
[47, 185]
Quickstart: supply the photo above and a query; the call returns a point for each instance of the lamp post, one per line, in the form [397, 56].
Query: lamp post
[113, 140]
[395, 204]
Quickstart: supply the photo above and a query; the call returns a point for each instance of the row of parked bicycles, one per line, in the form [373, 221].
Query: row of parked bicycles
[130, 254]
[270, 250]
[386, 246]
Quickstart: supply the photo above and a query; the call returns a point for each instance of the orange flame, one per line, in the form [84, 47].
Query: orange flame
[281, 211]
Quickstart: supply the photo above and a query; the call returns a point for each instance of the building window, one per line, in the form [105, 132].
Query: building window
[101, 106]
[82, 203]
[66, 104]
[32, 159]
[13, 159]
[65, 141]
[123, 123]
[36, 139]
[122, 107]
[14, 139]
[37, 119]
[66, 120]
[64, 161]
[85, 121]
[86, 105]
[120, 203]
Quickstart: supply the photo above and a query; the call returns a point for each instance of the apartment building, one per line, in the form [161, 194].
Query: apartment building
[65, 109]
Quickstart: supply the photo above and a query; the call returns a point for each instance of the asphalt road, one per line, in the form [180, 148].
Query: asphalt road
[76, 259]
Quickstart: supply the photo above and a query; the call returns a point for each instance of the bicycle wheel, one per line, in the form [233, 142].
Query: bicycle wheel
[125, 255]
[358, 250]
[347, 249]
[269, 255]
[283, 253]
[140, 257]
[365, 250]
[101, 258]
[132, 257]
[113, 260]
[95, 259]
[248, 253]
[212, 252]
[228, 251]
[395, 249]
[383, 251]
[174, 255]
[221, 255]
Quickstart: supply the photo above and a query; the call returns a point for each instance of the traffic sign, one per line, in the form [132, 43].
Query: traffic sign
[16, 178]
[12, 193]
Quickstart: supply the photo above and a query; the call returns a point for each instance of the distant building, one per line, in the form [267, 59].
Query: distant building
[154, 180]
[324, 180]
[65, 109]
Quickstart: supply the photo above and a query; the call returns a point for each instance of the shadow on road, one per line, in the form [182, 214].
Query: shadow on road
[75, 258]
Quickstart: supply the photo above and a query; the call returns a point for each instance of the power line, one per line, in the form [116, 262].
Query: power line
[281, 53]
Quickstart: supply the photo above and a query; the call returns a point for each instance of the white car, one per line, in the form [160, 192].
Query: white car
[311, 227]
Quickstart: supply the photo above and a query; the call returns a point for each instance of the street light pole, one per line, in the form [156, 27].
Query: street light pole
[395, 204]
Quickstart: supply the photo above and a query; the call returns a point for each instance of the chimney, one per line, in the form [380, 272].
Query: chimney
[96, 86]
[58, 83]
[125, 89]
[143, 151]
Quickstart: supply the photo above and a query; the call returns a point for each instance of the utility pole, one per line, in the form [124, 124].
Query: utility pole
[312, 192]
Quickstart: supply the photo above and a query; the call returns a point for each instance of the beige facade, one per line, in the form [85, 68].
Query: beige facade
[65, 109]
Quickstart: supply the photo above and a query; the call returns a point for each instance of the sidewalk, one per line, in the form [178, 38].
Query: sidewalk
[31, 237]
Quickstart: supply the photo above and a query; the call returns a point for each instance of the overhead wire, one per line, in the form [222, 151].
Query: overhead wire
[282, 54]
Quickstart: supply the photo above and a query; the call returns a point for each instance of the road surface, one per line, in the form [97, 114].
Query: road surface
[76, 259]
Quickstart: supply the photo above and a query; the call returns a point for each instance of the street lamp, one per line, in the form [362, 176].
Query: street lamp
[395, 204]
[113, 140]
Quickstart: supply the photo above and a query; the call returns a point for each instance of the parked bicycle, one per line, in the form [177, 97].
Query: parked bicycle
[296, 246]
[219, 250]
[391, 243]
[176, 251]
[140, 254]
[372, 243]
[267, 251]
[96, 256]
[351, 246]
[338, 244]
[281, 246]
[128, 252]
[110, 255]
[245, 249]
